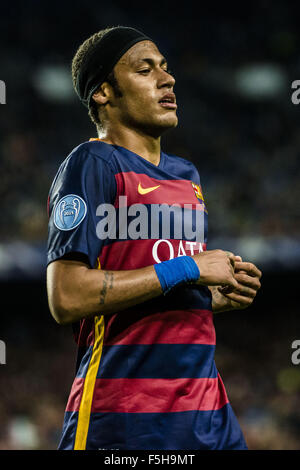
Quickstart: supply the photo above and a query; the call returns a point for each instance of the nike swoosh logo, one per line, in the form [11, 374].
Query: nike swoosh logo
[142, 190]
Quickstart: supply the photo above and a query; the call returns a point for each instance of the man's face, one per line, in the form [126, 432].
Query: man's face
[148, 102]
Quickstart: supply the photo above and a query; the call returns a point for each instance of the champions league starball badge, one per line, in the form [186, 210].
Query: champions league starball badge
[69, 212]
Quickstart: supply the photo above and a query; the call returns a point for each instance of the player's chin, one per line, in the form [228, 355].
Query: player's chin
[161, 124]
[168, 120]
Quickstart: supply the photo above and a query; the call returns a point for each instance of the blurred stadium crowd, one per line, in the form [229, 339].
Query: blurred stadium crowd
[236, 119]
[237, 123]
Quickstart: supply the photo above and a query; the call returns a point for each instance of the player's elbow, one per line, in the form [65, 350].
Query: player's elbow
[64, 293]
[60, 296]
[60, 309]
[61, 316]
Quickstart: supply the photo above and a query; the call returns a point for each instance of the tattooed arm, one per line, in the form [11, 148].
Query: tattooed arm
[76, 291]
[108, 278]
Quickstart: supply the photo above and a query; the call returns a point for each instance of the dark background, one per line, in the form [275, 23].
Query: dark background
[234, 69]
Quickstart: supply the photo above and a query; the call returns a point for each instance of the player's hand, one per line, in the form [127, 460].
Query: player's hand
[248, 278]
[216, 268]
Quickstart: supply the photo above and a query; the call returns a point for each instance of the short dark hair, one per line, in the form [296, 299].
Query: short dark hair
[86, 48]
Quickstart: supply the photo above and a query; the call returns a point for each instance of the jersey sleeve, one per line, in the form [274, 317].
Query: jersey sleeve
[83, 182]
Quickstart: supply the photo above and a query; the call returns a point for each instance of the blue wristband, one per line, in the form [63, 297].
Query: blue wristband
[176, 271]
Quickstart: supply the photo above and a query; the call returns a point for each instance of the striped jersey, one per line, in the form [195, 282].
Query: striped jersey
[146, 377]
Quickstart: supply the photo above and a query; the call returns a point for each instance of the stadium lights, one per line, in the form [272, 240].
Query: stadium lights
[53, 82]
[260, 81]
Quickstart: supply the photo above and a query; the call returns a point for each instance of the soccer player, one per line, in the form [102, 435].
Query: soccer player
[129, 269]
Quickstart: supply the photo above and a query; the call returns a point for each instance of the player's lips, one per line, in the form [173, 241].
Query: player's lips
[168, 101]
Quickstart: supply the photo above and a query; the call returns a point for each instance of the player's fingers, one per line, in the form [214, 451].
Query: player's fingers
[231, 257]
[242, 300]
[229, 283]
[241, 290]
[248, 281]
[225, 289]
[246, 291]
[249, 268]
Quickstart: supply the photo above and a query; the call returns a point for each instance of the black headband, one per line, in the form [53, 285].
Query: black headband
[97, 65]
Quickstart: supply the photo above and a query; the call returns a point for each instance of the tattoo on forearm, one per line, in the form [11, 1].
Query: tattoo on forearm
[107, 284]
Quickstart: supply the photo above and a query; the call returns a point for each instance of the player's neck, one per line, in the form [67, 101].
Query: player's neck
[146, 146]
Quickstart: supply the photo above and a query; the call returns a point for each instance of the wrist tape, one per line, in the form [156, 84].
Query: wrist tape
[176, 271]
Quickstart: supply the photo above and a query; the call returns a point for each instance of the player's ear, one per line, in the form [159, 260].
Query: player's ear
[103, 94]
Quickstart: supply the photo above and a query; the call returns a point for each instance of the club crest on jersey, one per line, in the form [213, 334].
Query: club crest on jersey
[69, 212]
[198, 193]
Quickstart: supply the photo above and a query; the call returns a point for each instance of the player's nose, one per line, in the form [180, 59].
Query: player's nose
[165, 79]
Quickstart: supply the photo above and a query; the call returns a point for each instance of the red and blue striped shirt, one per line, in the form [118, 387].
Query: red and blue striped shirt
[146, 377]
